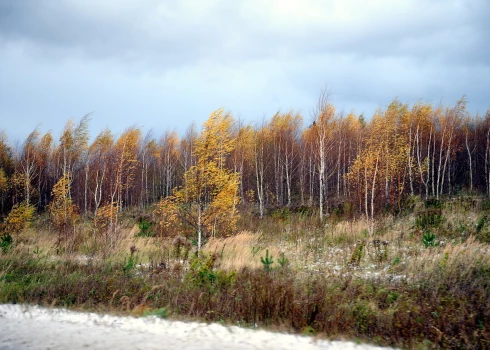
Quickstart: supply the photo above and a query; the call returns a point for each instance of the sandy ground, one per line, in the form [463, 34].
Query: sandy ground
[30, 327]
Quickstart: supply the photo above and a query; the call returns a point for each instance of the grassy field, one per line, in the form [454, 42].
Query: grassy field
[419, 280]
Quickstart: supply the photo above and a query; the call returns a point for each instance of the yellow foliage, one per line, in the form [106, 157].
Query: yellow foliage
[19, 218]
[209, 196]
[106, 216]
[3, 181]
[62, 210]
[165, 213]
[126, 148]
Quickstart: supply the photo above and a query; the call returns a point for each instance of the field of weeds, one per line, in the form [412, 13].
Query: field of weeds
[418, 280]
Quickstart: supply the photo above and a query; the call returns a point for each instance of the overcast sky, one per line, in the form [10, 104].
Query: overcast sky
[161, 64]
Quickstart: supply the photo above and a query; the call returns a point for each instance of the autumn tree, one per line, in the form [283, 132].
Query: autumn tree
[260, 137]
[364, 175]
[62, 211]
[322, 131]
[168, 161]
[4, 186]
[242, 156]
[43, 158]
[284, 131]
[105, 221]
[73, 143]
[148, 154]
[207, 200]
[125, 166]
[99, 158]
[449, 124]
[28, 162]
[165, 213]
[470, 138]
[422, 127]
[19, 218]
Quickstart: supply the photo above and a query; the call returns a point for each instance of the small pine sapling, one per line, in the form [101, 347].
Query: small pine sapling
[283, 261]
[267, 261]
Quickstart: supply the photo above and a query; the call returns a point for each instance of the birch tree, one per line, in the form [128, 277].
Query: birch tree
[208, 198]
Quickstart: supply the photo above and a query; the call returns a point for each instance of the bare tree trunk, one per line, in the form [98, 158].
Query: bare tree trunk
[470, 161]
[410, 176]
[199, 228]
[259, 172]
[487, 172]
[373, 188]
[321, 176]
[85, 191]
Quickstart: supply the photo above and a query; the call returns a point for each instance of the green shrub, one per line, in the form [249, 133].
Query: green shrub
[429, 239]
[433, 203]
[6, 242]
[146, 228]
[305, 211]
[357, 253]
[485, 205]
[283, 261]
[267, 261]
[429, 218]
[130, 263]
[282, 214]
[202, 273]
[480, 223]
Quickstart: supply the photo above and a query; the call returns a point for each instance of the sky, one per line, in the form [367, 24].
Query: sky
[164, 64]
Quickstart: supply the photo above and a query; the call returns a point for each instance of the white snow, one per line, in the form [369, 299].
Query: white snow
[25, 327]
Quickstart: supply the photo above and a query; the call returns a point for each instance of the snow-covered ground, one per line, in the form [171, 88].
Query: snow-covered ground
[30, 327]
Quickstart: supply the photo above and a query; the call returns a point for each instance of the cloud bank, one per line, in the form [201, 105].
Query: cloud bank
[164, 64]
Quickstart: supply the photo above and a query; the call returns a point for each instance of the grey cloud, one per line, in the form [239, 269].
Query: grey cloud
[169, 62]
[163, 34]
[143, 31]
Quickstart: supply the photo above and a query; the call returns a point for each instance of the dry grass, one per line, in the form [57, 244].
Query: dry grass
[455, 256]
[239, 251]
[400, 294]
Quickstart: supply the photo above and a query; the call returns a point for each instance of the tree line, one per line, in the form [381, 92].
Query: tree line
[332, 160]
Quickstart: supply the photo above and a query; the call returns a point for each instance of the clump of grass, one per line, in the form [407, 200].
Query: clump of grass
[429, 239]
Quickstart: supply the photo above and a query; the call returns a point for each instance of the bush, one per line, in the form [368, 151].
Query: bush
[146, 228]
[429, 239]
[429, 218]
[20, 217]
[6, 242]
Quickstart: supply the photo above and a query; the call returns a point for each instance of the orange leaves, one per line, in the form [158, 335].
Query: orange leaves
[62, 211]
[73, 142]
[126, 150]
[106, 216]
[19, 218]
[215, 142]
[165, 213]
[103, 143]
[3, 181]
[210, 192]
